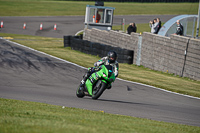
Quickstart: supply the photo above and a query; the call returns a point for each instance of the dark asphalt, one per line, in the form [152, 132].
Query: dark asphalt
[31, 76]
[66, 25]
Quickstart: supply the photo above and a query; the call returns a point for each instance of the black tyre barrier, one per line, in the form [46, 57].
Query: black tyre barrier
[67, 41]
[127, 52]
[80, 37]
[98, 49]
[87, 43]
[108, 48]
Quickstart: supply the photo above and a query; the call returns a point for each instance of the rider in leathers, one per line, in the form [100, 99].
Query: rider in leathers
[110, 59]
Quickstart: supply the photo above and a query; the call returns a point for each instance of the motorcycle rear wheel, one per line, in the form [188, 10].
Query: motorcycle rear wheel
[98, 89]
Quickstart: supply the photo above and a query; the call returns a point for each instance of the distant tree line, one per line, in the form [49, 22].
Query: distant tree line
[165, 1]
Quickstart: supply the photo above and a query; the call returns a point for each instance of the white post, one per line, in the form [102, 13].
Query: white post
[123, 24]
[193, 27]
[197, 33]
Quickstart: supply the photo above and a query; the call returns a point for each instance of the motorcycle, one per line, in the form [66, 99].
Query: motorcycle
[97, 83]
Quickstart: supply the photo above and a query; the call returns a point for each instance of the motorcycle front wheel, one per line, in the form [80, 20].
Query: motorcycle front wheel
[79, 92]
[98, 89]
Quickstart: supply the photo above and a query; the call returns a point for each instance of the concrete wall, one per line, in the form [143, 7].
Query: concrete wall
[175, 54]
[113, 38]
[163, 53]
[192, 64]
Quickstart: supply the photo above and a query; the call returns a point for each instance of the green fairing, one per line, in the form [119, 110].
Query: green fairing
[100, 75]
[89, 86]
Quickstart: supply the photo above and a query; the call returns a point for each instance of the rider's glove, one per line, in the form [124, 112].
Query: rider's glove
[109, 86]
[91, 69]
[111, 80]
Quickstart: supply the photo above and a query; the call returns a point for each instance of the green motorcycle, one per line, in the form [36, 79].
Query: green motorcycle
[97, 83]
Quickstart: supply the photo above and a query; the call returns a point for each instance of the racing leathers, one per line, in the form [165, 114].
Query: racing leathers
[105, 61]
[102, 61]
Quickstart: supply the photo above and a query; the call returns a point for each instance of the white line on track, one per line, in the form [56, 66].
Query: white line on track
[86, 68]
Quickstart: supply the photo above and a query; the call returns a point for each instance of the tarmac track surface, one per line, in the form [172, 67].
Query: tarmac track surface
[66, 25]
[32, 76]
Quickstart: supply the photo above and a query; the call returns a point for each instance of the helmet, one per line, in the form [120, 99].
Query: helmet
[112, 56]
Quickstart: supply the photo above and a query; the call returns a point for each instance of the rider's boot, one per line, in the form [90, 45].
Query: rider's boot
[85, 77]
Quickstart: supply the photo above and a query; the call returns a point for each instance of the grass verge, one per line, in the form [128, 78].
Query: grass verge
[62, 8]
[22, 117]
[54, 46]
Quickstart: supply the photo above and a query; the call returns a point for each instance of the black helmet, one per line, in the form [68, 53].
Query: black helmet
[112, 56]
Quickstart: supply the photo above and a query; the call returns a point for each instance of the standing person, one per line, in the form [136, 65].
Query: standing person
[98, 17]
[159, 25]
[110, 59]
[153, 25]
[179, 28]
[131, 28]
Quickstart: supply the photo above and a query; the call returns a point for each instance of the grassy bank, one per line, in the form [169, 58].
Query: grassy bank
[30, 117]
[62, 8]
[54, 46]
